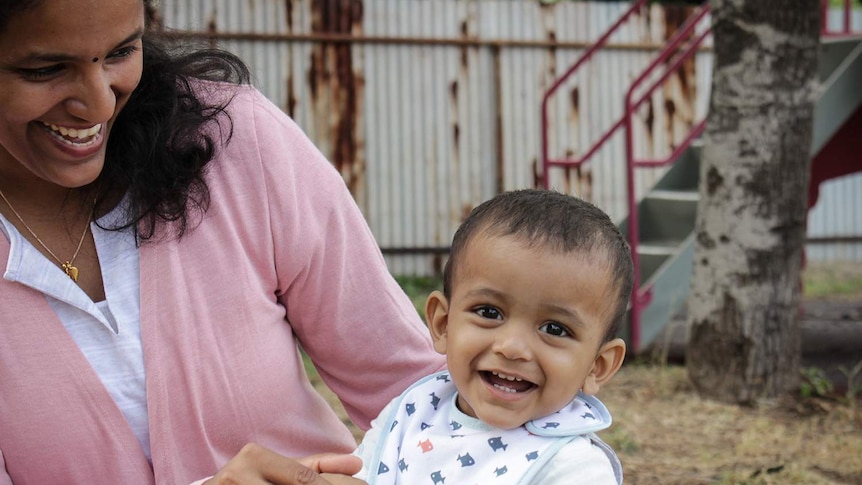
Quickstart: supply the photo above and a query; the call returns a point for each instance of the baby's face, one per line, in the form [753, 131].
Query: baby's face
[523, 328]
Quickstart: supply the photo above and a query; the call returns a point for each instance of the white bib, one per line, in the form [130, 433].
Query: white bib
[430, 441]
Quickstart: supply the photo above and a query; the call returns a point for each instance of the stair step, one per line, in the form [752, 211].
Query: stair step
[658, 249]
[667, 216]
[684, 174]
[675, 195]
[650, 262]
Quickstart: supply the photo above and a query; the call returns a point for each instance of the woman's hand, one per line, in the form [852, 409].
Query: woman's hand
[255, 464]
[341, 479]
[335, 469]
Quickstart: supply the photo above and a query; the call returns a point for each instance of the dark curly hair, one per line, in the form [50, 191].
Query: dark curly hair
[159, 145]
[9, 8]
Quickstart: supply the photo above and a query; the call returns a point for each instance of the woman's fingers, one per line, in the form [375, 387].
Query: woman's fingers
[333, 463]
[341, 479]
[255, 464]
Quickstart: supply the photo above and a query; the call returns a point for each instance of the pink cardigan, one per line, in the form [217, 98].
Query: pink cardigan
[283, 256]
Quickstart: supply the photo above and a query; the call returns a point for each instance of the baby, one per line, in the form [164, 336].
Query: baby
[535, 289]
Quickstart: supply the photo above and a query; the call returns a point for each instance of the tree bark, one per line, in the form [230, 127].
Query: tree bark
[744, 337]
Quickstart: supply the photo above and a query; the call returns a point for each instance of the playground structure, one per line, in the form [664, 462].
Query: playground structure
[660, 224]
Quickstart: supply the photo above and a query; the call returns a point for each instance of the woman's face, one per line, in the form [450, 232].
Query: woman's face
[67, 68]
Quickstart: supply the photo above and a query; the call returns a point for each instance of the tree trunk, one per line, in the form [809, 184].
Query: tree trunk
[744, 340]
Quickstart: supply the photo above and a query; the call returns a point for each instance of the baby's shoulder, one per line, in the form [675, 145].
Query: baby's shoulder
[586, 459]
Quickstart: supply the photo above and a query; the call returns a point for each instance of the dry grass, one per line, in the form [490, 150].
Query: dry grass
[833, 281]
[666, 434]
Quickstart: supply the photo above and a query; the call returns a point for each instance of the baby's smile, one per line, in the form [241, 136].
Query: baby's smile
[506, 383]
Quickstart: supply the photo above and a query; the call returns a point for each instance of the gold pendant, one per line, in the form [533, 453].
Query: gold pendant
[70, 270]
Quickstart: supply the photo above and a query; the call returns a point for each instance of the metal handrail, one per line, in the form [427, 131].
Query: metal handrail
[672, 66]
[639, 298]
[641, 294]
[681, 33]
[546, 161]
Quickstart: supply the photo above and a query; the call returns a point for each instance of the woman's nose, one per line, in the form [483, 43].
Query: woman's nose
[93, 99]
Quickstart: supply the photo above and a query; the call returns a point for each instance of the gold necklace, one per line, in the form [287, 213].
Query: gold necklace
[67, 266]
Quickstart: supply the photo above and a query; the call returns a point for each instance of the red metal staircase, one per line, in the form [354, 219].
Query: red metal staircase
[830, 161]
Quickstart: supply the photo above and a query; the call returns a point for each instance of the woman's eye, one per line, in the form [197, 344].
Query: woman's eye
[124, 52]
[489, 312]
[554, 329]
[40, 73]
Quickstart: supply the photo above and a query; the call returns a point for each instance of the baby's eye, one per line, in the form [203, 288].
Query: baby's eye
[489, 312]
[555, 329]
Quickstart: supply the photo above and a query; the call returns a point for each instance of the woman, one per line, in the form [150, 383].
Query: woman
[167, 240]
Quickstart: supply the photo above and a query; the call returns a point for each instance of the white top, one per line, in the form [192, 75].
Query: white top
[107, 332]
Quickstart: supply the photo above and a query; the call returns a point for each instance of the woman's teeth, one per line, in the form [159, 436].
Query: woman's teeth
[73, 136]
[75, 133]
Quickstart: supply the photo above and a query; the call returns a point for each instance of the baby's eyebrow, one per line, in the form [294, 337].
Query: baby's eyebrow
[573, 318]
[486, 292]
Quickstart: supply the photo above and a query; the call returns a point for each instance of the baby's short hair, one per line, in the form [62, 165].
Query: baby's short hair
[555, 221]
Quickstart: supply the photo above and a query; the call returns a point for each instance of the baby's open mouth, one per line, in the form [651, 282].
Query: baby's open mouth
[506, 383]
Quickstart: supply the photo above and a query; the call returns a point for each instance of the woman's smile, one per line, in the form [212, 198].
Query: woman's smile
[82, 141]
[61, 91]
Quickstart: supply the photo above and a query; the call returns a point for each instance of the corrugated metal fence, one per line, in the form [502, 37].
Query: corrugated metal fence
[835, 222]
[430, 107]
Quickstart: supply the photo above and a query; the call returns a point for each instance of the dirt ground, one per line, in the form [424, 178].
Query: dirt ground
[665, 434]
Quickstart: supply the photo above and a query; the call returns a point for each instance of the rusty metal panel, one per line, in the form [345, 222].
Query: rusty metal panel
[439, 110]
[265, 59]
[835, 222]
[427, 108]
[837, 219]
[589, 104]
[428, 117]
[835, 18]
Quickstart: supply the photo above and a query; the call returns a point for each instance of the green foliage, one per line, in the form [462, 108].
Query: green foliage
[834, 287]
[621, 441]
[832, 281]
[417, 288]
[815, 383]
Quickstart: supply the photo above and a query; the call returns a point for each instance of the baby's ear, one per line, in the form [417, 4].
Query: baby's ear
[608, 362]
[437, 317]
